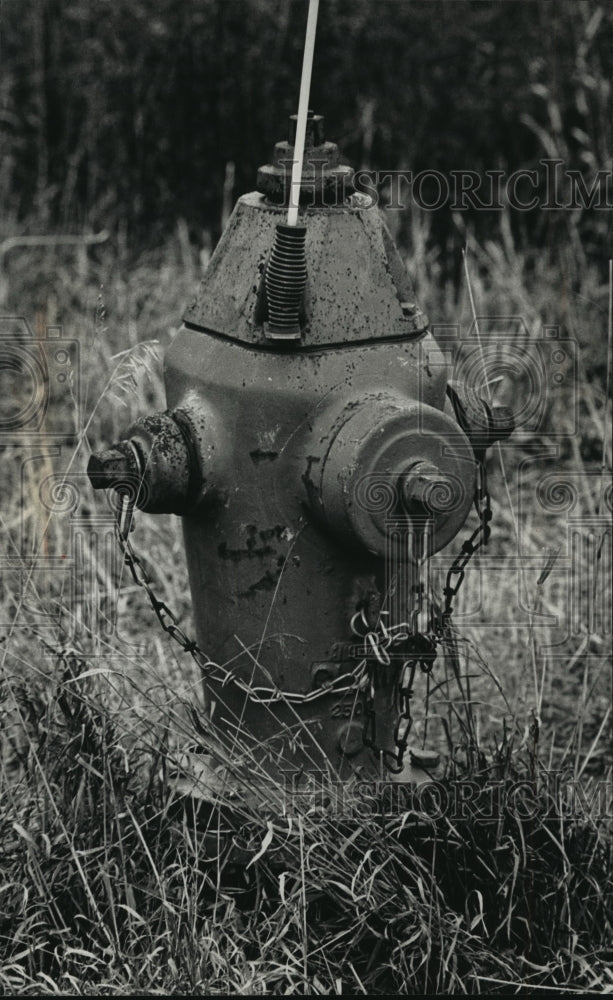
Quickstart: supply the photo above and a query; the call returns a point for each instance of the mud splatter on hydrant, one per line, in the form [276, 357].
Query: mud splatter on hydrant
[308, 440]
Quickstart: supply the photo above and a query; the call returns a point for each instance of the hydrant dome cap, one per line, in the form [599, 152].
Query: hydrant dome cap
[357, 289]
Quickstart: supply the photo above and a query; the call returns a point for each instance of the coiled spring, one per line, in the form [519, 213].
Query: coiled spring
[285, 281]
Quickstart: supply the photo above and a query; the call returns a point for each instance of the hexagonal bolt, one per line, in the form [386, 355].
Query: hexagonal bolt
[314, 130]
[324, 177]
[424, 488]
[111, 468]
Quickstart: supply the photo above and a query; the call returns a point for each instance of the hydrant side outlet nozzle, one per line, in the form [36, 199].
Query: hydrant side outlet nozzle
[164, 457]
[386, 455]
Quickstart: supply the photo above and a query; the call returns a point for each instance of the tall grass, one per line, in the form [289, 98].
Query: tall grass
[114, 882]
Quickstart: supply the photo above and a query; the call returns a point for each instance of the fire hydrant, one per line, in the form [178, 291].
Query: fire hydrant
[310, 448]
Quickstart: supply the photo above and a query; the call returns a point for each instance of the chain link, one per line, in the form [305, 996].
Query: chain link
[477, 540]
[402, 650]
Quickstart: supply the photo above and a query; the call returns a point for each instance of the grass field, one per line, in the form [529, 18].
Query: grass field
[108, 885]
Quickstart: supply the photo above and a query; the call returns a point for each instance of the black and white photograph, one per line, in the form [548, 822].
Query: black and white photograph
[306, 492]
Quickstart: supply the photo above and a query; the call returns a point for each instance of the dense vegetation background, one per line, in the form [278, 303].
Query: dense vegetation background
[127, 112]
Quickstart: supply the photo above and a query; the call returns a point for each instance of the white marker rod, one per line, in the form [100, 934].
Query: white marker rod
[303, 108]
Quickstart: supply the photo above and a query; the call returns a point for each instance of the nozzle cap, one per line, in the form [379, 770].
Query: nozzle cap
[109, 469]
